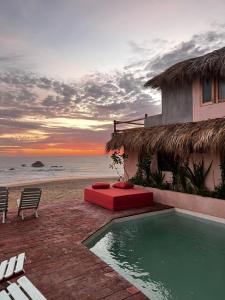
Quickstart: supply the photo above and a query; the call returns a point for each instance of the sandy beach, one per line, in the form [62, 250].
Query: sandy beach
[56, 190]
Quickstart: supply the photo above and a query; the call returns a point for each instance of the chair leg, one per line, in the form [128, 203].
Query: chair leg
[3, 217]
[36, 213]
[22, 216]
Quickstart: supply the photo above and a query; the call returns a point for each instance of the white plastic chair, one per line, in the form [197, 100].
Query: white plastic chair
[12, 267]
[30, 199]
[4, 198]
[22, 290]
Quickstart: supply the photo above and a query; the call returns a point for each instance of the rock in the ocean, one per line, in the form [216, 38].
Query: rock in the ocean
[38, 164]
[11, 169]
[23, 165]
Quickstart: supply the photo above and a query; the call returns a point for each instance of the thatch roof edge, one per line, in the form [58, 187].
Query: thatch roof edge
[180, 138]
[208, 65]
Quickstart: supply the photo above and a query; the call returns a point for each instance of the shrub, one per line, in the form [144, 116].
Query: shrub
[220, 191]
[157, 178]
[185, 179]
[197, 176]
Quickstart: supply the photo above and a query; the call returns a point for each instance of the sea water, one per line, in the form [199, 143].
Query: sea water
[16, 170]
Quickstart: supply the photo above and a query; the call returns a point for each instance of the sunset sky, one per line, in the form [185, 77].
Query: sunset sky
[69, 68]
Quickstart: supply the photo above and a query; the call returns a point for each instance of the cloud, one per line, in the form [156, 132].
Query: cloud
[31, 103]
[198, 45]
[10, 58]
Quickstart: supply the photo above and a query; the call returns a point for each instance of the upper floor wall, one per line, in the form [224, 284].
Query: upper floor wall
[176, 107]
[201, 100]
[212, 106]
[177, 104]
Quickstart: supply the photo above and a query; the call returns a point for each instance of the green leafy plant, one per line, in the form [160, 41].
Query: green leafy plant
[118, 160]
[138, 181]
[220, 191]
[197, 176]
[186, 179]
[146, 164]
[222, 167]
[157, 178]
[143, 170]
[143, 166]
[175, 167]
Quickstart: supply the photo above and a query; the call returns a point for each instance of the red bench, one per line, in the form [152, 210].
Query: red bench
[118, 199]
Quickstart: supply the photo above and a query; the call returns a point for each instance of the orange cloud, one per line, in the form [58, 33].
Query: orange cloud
[52, 149]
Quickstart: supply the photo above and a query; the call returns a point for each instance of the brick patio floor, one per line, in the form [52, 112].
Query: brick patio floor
[57, 261]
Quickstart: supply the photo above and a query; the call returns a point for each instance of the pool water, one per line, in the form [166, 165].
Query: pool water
[169, 256]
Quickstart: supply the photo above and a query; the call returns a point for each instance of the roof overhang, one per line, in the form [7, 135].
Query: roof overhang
[179, 139]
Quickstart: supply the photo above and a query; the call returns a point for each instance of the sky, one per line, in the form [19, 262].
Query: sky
[69, 68]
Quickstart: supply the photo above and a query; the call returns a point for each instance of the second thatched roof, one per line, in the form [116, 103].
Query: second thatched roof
[179, 139]
[209, 65]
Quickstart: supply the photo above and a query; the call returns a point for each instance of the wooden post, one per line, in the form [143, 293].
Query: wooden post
[146, 115]
[114, 122]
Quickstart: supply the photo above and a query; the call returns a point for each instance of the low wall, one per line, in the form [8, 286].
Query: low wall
[205, 205]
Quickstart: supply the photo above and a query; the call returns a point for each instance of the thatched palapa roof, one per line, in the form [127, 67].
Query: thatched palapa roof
[208, 65]
[179, 139]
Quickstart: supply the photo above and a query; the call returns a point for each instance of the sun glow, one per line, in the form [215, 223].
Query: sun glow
[52, 151]
[39, 142]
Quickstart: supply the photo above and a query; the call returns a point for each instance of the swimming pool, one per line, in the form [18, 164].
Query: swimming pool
[169, 256]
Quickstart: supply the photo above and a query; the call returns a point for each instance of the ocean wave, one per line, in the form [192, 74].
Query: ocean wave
[48, 170]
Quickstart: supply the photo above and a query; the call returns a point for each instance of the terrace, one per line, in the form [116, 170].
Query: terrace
[57, 261]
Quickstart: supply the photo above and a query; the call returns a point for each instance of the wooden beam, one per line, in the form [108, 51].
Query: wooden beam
[132, 123]
[124, 122]
[129, 122]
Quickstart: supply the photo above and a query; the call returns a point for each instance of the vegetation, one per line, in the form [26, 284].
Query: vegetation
[143, 167]
[184, 178]
[157, 178]
[118, 160]
[222, 168]
[220, 190]
[145, 176]
[196, 176]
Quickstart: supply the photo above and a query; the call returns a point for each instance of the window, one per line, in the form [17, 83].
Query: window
[207, 91]
[213, 90]
[221, 89]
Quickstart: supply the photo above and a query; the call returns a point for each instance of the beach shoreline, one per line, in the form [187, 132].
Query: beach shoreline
[57, 180]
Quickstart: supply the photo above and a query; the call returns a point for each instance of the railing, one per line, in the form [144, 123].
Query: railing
[131, 122]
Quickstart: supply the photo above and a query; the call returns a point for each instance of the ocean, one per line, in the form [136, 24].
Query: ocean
[16, 170]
